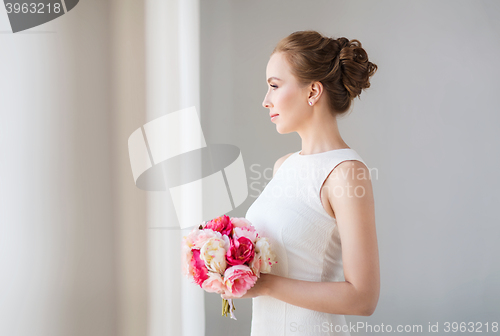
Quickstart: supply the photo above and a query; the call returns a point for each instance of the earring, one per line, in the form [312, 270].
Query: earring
[310, 103]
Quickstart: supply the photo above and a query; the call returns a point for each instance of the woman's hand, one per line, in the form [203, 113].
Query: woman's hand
[259, 288]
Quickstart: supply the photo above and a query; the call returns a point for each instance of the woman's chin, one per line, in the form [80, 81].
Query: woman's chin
[282, 130]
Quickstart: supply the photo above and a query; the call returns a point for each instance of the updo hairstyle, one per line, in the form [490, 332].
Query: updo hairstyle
[341, 65]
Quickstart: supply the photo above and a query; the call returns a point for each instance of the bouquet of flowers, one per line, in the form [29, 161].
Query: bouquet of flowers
[226, 255]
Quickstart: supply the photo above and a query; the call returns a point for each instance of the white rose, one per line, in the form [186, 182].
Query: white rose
[268, 258]
[213, 254]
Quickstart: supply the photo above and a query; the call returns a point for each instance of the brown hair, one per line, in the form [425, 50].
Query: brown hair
[341, 65]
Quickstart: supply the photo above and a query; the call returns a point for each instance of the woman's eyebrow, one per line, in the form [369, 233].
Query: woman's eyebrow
[270, 78]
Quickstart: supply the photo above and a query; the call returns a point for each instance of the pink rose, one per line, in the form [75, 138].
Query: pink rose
[241, 251]
[240, 222]
[202, 236]
[191, 237]
[221, 224]
[214, 283]
[198, 268]
[255, 265]
[238, 279]
[245, 231]
[186, 258]
[194, 240]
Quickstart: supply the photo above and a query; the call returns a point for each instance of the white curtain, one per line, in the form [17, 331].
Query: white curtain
[57, 225]
[172, 83]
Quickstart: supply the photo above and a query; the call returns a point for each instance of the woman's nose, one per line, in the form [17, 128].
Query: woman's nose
[266, 103]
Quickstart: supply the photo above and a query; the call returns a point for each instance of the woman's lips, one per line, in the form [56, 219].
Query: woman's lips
[274, 117]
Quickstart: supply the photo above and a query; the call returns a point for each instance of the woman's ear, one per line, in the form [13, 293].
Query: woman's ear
[315, 91]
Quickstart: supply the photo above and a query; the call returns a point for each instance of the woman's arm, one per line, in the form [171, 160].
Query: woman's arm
[328, 297]
[351, 198]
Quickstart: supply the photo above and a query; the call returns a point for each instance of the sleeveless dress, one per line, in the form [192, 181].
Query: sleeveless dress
[305, 239]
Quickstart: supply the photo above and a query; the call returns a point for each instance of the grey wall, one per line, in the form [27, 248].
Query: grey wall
[427, 125]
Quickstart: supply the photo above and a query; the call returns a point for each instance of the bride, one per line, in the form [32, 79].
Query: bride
[325, 239]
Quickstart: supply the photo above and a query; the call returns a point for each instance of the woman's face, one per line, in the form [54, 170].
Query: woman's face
[285, 97]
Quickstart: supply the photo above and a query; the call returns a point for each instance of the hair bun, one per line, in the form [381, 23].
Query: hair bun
[343, 42]
[356, 69]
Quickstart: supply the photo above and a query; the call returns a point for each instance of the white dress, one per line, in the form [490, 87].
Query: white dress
[305, 239]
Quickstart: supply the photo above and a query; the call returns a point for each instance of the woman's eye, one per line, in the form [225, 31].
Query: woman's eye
[274, 86]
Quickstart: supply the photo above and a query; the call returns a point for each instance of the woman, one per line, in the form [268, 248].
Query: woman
[318, 210]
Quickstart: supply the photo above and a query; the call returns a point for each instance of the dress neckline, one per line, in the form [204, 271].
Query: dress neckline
[330, 151]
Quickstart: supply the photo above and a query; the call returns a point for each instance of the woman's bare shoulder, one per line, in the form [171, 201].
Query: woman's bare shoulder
[278, 163]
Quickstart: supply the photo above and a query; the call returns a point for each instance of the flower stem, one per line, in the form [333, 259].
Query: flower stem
[225, 306]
